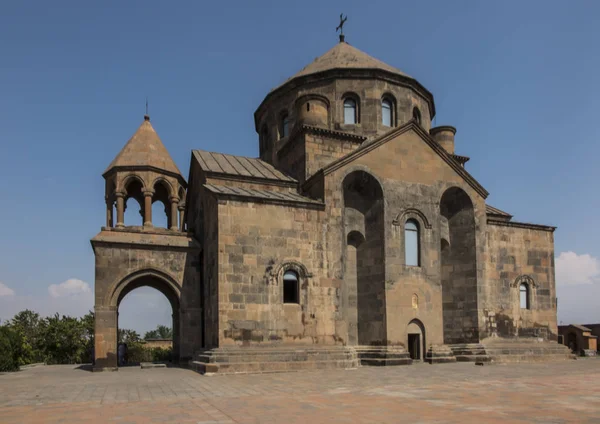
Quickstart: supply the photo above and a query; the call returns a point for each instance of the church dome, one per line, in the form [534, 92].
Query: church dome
[344, 56]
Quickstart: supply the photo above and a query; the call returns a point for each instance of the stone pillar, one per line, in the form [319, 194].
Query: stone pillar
[148, 208]
[181, 223]
[105, 339]
[120, 209]
[109, 213]
[173, 215]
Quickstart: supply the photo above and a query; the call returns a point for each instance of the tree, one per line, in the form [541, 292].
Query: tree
[161, 332]
[64, 340]
[27, 323]
[128, 336]
[12, 348]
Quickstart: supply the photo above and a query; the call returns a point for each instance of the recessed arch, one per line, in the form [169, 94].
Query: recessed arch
[414, 213]
[151, 277]
[127, 180]
[459, 268]
[364, 276]
[165, 183]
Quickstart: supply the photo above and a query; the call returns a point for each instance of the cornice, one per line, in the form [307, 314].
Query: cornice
[146, 168]
[525, 225]
[257, 199]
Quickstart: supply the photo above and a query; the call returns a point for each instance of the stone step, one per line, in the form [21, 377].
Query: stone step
[470, 352]
[269, 367]
[145, 365]
[382, 355]
[526, 350]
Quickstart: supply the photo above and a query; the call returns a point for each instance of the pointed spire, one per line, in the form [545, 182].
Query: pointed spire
[145, 149]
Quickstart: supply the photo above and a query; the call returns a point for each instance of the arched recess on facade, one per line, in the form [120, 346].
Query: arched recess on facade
[155, 279]
[364, 270]
[459, 268]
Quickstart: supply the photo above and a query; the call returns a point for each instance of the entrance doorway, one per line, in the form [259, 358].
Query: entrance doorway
[414, 346]
[416, 340]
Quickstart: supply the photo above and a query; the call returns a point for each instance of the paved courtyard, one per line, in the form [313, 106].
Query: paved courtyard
[555, 392]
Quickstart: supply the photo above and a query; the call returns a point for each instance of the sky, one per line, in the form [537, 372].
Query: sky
[519, 81]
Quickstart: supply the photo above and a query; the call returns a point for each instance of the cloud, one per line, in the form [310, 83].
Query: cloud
[6, 291]
[572, 268]
[71, 287]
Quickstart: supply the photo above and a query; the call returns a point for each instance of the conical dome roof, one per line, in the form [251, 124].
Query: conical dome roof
[344, 56]
[145, 149]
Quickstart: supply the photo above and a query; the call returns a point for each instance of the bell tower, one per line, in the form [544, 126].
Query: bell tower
[144, 170]
[129, 255]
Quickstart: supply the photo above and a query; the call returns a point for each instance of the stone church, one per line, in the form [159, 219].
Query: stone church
[357, 237]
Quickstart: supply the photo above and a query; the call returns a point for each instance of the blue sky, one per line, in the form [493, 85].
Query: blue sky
[518, 79]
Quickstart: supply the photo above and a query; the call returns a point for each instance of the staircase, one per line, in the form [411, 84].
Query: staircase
[243, 360]
[470, 352]
[382, 355]
[524, 349]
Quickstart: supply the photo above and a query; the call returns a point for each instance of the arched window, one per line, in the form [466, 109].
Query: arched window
[285, 125]
[417, 115]
[387, 112]
[411, 243]
[350, 111]
[524, 296]
[291, 287]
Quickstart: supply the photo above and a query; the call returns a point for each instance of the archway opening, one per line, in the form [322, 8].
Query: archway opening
[416, 343]
[459, 269]
[160, 206]
[134, 203]
[147, 322]
[364, 263]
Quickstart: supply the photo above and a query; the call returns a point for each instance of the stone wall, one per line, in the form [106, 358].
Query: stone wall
[515, 250]
[257, 243]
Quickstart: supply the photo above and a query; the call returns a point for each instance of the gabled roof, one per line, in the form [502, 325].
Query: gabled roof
[490, 210]
[373, 144]
[580, 327]
[239, 166]
[144, 149]
[344, 56]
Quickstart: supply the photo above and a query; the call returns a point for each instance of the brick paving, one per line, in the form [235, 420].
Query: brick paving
[558, 392]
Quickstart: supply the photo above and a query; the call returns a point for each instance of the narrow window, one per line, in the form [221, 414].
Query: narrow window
[350, 111]
[285, 125]
[386, 112]
[264, 137]
[291, 287]
[524, 296]
[411, 243]
[417, 115]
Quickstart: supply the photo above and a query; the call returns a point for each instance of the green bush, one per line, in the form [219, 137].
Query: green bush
[13, 349]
